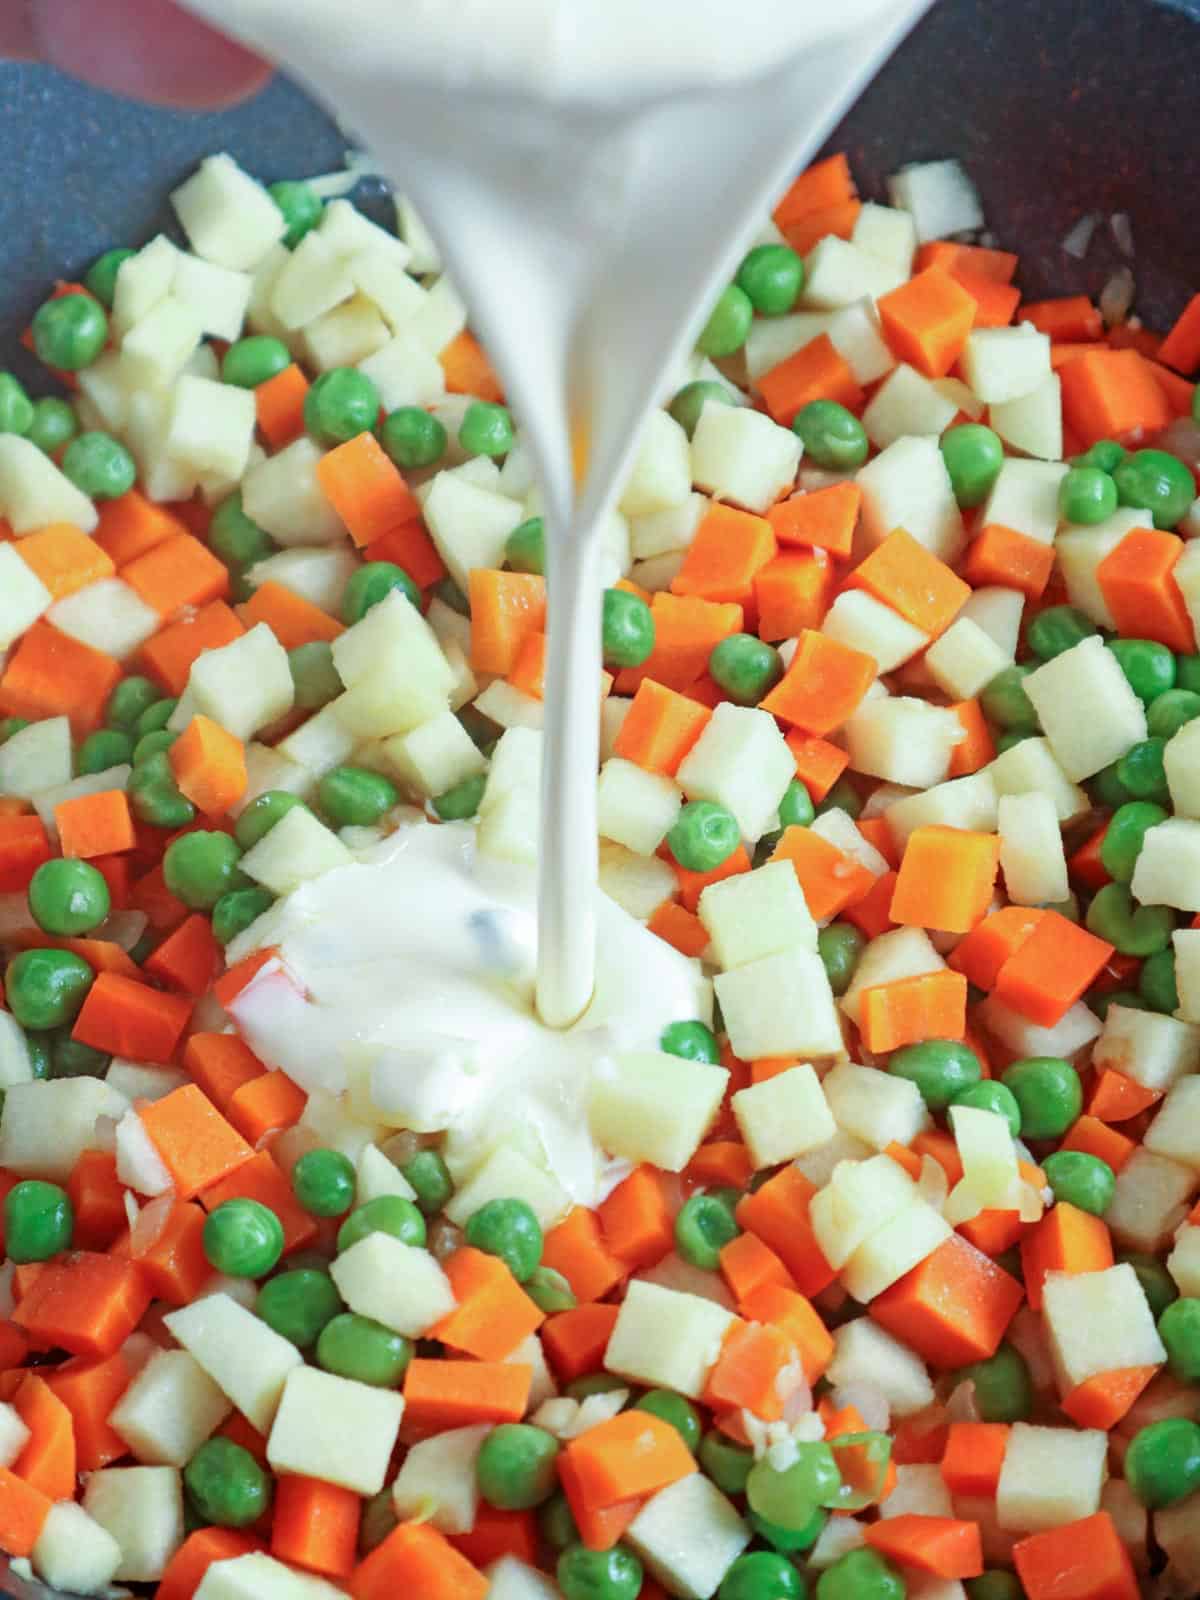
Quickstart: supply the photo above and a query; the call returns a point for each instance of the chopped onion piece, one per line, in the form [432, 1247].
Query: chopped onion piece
[1078, 241]
[1122, 231]
[1116, 297]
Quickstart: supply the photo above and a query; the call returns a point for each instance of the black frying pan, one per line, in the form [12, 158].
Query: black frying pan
[1057, 108]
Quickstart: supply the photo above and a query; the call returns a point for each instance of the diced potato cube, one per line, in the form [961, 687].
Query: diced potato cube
[887, 233]
[1032, 422]
[34, 493]
[741, 455]
[228, 217]
[1088, 711]
[1004, 363]
[14, 1435]
[36, 758]
[469, 525]
[46, 1125]
[921, 1491]
[782, 1117]
[903, 740]
[998, 612]
[508, 707]
[964, 660]
[297, 848]
[895, 1249]
[839, 828]
[335, 1429]
[666, 1339]
[1050, 1476]
[442, 316]
[899, 953]
[347, 232]
[310, 282]
[405, 372]
[1025, 497]
[907, 486]
[773, 339]
[1167, 870]
[395, 1283]
[940, 196]
[780, 1005]
[142, 1509]
[874, 1105]
[156, 349]
[211, 426]
[1031, 850]
[379, 274]
[638, 884]
[859, 1197]
[1031, 765]
[635, 808]
[661, 475]
[668, 531]
[437, 1481]
[1152, 1049]
[74, 1552]
[1078, 1026]
[1100, 1322]
[435, 756]
[1184, 1261]
[1150, 1200]
[218, 296]
[1175, 1131]
[507, 1172]
[245, 685]
[512, 1579]
[141, 282]
[906, 404]
[246, 1359]
[316, 747]
[169, 1410]
[855, 334]
[1079, 552]
[283, 496]
[258, 1576]
[108, 615]
[396, 674]
[740, 761]
[859, 620]
[757, 914]
[23, 596]
[1181, 760]
[349, 333]
[865, 1353]
[688, 1535]
[646, 1105]
[970, 802]
[837, 273]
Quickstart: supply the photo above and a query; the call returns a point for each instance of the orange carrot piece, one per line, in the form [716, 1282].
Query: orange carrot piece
[747, 1372]
[1052, 968]
[493, 1314]
[991, 942]
[1137, 580]
[947, 1547]
[169, 655]
[686, 631]
[729, 548]
[748, 1265]
[95, 824]
[783, 1307]
[576, 1248]
[681, 929]
[941, 1148]
[131, 525]
[974, 1457]
[65, 558]
[130, 1019]
[24, 845]
[279, 403]
[242, 1432]
[660, 728]
[830, 879]
[188, 959]
[90, 1389]
[499, 1533]
[220, 1063]
[998, 265]
[1065, 1240]
[826, 183]
[877, 831]
[793, 592]
[97, 1200]
[1181, 348]
[266, 1105]
[47, 1459]
[904, 1157]
[819, 764]
[174, 1264]
[1095, 1138]
[184, 1572]
[599, 1527]
[468, 370]
[231, 983]
[197, 1145]
[1084, 1560]
[365, 487]
[808, 230]
[315, 1525]
[778, 1214]
[721, 1163]
[977, 749]
[817, 371]
[177, 573]
[947, 878]
[1177, 392]
[1003, 557]
[631, 1455]
[995, 303]
[636, 1219]
[409, 546]
[824, 519]
[932, 1005]
[505, 608]
[1101, 1401]
[262, 1179]
[918, 1440]
[1117, 1097]
[291, 618]
[23, 1513]
[209, 764]
[904, 575]
[926, 321]
[823, 686]
[50, 674]
[86, 1303]
[416, 1559]
[575, 1340]
[693, 884]
[1071, 319]
[1108, 394]
[454, 1394]
[952, 1308]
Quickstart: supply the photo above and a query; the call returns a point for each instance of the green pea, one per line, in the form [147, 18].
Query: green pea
[157, 800]
[940, 1068]
[1081, 1180]
[762, 1576]
[673, 1408]
[108, 747]
[387, 1213]
[54, 424]
[508, 1228]
[341, 404]
[314, 675]
[693, 1041]
[373, 582]
[1106, 789]
[703, 1226]
[301, 207]
[1100, 1003]
[38, 1221]
[796, 809]
[11, 725]
[627, 629]
[461, 802]
[1010, 737]
[832, 437]
[413, 438]
[703, 836]
[585, 1574]
[1142, 772]
[486, 429]
[1049, 1093]
[1003, 1387]
[1086, 496]
[354, 797]
[1162, 1464]
[99, 466]
[40, 1054]
[790, 1540]
[772, 275]
[973, 456]
[1187, 673]
[728, 324]
[1154, 481]
[989, 1095]
[1156, 982]
[128, 701]
[1141, 932]
[840, 947]
[238, 910]
[253, 360]
[68, 897]
[726, 1463]
[429, 1177]
[842, 797]
[16, 408]
[789, 1497]
[516, 1467]
[200, 867]
[1005, 702]
[692, 399]
[1056, 629]
[71, 1058]
[261, 815]
[1125, 835]
[234, 538]
[297, 1305]
[357, 1347]
[378, 1520]
[1179, 1330]
[550, 1291]
[1149, 667]
[324, 1182]
[69, 331]
[243, 1238]
[155, 717]
[1157, 1283]
[525, 547]
[745, 668]
[101, 277]
[226, 1485]
[556, 1523]
[1106, 454]
[995, 1585]
[1170, 711]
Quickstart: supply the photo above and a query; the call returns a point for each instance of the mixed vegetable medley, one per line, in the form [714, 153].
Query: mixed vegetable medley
[896, 1290]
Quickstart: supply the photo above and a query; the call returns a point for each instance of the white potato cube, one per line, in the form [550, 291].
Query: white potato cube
[757, 914]
[1088, 711]
[858, 1198]
[1031, 850]
[964, 660]
[1033, 422]
[245, 1359]
[646, 1105]
[971, 803]
[875, 1106]
[218, 296]
[435, 756]
[405, 372]
[228, 217]
[511, 1579]
[211, 426]
[141, 282]
[313, 280]
[1081, 550]
[395, 1283]
[469, 525]
[318, 573]
[906, 403]
[667, 532]
[838, 273]
[639, 884]
[740, 761]
[839, 828]
[1175, 1131]
[23, 596]
[864, 1353]
[108, 615]
[688, 1535]
[380, 276]
[888, 233]
[895, 1249]
[859, 620]
[782, 1117]
[1181, 760]
[899, 953]
[818, 1165]
[666, 1339]
[1152, 1049]
[283, 496]
[907, 486]
[921, 1491]
[940, 196]
[780, 1005]
[244, 685]
[1031, 766]
[1050, 1476]
[74, 1552]
[1024, 497]
[169, 1410]
[156, 349]
[142, 1508]
[437, 1483]
[998, 612]
[315, 748]
[258, 1576]
[335, 1429]
[46, 1125]
[772, 340]
[902, 740]
[635, 808]
[297, 848]
[1077, 1027]
[741, 455]
[1150, 1200]
[1100, 1322]
[1184, 1261]
[349, 333]
[442, 316]
[36, 758]
[855, 333]
[508, 707]
[14, 1435]
[1167, 870]
[507, 1171]
[1004, 363]
[393, 634]
[34, 493]
[661, 475]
